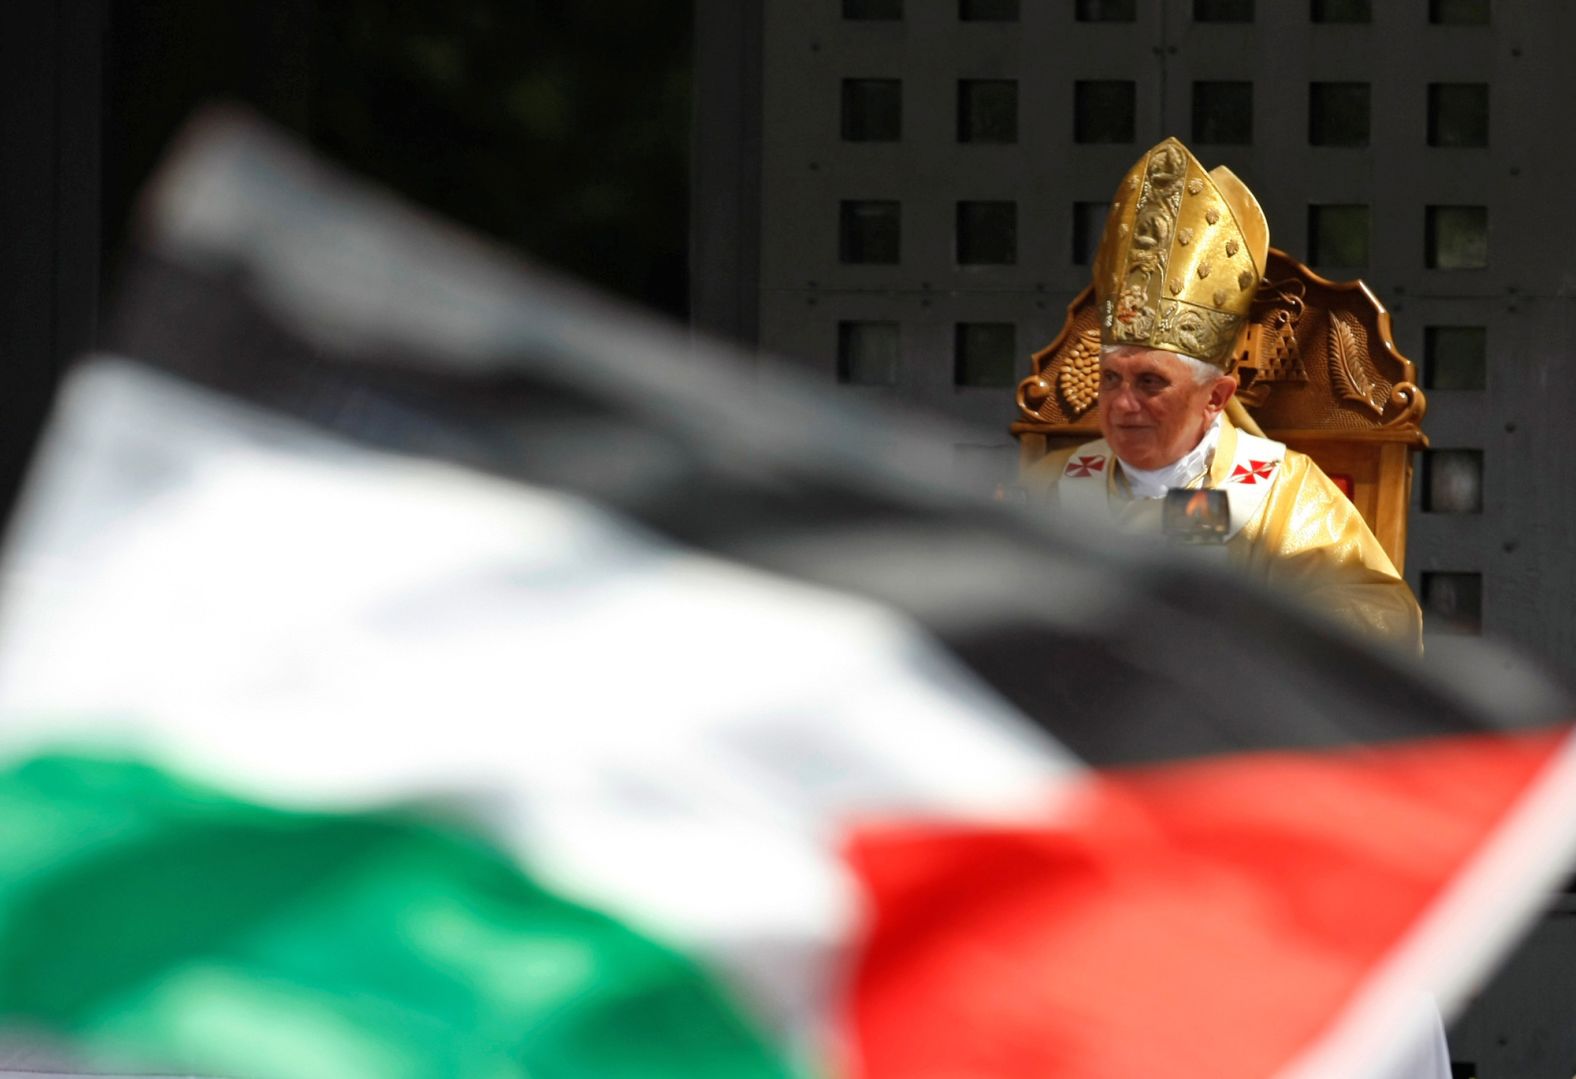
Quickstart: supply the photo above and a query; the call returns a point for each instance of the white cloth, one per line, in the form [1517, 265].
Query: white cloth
[1155, 482]
[1427, 1056]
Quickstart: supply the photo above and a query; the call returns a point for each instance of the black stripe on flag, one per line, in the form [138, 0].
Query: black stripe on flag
[263, 275]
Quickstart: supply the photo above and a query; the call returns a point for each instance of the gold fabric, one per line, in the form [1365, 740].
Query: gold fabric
[1307, 540]
[1181, 257]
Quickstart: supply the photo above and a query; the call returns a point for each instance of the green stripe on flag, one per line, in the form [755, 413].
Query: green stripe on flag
[145, 919]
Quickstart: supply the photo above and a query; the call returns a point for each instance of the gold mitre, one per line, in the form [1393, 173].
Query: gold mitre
[1182, 254]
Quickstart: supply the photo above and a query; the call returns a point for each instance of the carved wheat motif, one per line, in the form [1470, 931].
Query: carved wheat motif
[1350, 369]
[1079, 379]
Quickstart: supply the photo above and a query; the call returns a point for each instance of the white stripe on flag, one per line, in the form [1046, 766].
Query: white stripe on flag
[671, 737]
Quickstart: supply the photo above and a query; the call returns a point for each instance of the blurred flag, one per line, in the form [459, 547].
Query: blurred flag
[411, 666]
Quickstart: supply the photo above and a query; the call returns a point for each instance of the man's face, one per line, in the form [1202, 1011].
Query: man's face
[1152, 409]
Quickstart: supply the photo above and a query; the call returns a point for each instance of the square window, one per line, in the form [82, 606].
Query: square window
[1455, 358]
[872, 110]
[1338, 114]
[987, 233]
[867, 353]
[1103, 111]
[872, 9]
[1453, 602]
[869, 231]
[988, 110]
[1458, 12]
[1338, 235]
[988, 10]
[1222, 10]
[985, 354]
[1223, 113]
[1452, 481]
[1106, 10]
[1342, 11]
[1088, 227]
[1458, 114]
[1457, 238]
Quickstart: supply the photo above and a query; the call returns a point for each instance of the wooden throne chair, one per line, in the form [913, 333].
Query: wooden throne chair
[1318, 371]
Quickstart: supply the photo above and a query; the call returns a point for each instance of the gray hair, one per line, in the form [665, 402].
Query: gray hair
[1203, 373]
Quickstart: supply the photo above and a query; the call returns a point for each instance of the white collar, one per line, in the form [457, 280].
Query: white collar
[1191, 466]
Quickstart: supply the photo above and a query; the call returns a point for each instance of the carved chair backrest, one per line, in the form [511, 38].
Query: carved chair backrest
[1318, 371]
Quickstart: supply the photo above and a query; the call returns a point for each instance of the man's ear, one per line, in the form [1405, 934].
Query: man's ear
[1220, 392]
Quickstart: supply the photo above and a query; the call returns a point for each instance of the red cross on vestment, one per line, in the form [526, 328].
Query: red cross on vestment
[1086, 465]
[1252, 472]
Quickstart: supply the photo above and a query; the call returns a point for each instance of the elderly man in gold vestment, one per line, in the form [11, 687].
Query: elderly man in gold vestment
[1182, 254]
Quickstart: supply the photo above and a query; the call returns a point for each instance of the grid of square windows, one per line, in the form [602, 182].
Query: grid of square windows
[1339, 115]
[1104, 112]
[1456, 236]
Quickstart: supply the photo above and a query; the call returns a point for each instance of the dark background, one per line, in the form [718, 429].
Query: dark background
[560, 129]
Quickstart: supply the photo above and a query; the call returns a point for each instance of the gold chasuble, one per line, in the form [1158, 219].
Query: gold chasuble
[1291, 528]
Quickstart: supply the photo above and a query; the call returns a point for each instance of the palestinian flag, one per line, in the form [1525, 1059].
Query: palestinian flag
[410, 666]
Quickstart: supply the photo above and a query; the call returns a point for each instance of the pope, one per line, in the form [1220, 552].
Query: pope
[1182, 254]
